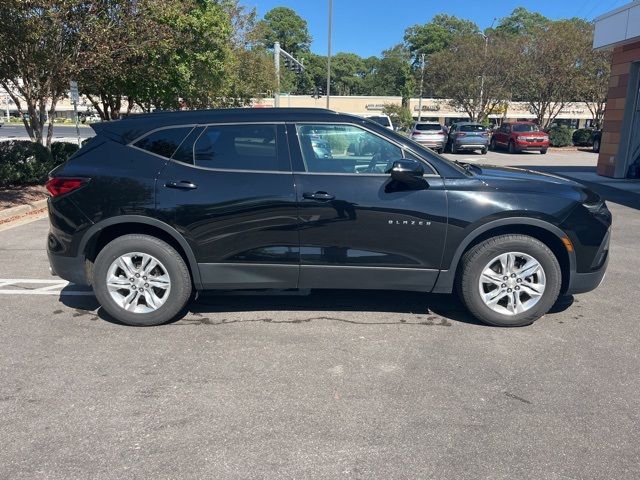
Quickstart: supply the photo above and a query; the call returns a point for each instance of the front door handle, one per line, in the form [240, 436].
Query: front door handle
[181, 185]
[321, 196]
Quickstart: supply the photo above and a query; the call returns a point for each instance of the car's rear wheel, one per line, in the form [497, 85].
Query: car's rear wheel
[141, 280]
[509, 280]
[596, 145]
[492, 144]
[512, 147]
[454, 149]
[483, 151]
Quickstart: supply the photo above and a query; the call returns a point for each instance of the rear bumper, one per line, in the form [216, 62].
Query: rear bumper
[471, 146]
[431, 143]
[72, 269]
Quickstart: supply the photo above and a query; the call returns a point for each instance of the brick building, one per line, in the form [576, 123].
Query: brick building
[619, 31]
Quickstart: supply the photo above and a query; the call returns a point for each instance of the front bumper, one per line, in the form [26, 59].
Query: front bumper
[586, 282]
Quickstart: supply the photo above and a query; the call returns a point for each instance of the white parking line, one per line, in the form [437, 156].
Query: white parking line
[50, 287]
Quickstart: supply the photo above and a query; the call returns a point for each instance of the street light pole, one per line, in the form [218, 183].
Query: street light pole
[329, 54]
[276, 59]
[421, 85]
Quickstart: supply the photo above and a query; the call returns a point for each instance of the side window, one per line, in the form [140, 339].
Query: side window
[505, 128]
[345, 149]
[184, 153]
[163, 142]
[238, 147]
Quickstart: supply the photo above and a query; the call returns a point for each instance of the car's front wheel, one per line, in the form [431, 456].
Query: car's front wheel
[141, 280]
[509, 280]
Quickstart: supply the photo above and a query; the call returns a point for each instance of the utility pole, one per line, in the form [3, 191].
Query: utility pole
[329, 54]
[276, 57]
[486, 44]
[421, 84]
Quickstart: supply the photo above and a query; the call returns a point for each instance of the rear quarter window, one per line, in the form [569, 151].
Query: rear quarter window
[164, 142]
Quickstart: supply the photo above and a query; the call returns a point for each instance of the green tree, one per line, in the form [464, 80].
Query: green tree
[347, 74]
[476, 73]
[39, 48]
[437, 35]
[522, 22]
[392, 74]
[548, 69]
[284, 25]
[400, 115]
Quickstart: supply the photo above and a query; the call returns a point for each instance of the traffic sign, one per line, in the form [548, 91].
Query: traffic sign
[73, 93]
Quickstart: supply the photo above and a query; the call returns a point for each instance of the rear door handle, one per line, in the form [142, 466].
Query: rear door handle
[321, 196]
[181, 185]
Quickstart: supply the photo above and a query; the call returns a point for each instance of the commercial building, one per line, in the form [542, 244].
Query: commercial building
[619, 30]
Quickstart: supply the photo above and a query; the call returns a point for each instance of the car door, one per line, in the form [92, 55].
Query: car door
[358, 227]
[228, 189]
[503, 134]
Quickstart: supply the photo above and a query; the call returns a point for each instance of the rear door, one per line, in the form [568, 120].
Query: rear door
[229, 191]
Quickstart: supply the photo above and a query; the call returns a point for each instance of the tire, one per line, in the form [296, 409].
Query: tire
[492, 144]
[596, 145]
[512, 147]
[477, 259]
[454, 150]
[483, 151]
[439, 150]
[170, 265]
[543, 151]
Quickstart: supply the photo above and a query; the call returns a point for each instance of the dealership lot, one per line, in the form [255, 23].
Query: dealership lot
[320, 385]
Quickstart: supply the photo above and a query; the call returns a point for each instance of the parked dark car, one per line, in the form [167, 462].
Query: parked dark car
[158, 206]
[520, 136]
[468, 136]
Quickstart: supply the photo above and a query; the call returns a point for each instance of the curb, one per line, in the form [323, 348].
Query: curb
[21, 209]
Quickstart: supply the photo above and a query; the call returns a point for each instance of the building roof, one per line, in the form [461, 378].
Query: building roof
[617, 27]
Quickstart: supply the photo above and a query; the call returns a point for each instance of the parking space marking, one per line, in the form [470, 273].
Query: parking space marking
[49, 287]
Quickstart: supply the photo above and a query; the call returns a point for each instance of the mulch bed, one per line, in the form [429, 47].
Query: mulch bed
[14, 196]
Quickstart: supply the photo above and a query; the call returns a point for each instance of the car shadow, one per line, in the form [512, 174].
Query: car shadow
[422, 308]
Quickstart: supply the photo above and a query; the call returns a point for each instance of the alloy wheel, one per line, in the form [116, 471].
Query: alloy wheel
[138, 282]
[512, 283]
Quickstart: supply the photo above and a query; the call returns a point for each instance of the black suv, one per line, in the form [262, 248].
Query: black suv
[158, 206]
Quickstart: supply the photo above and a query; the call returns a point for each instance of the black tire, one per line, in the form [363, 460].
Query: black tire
[512, 147]
[596, 145]
[483, 151]
[543, 151]
[474, 261]
[454, 150]
[440, 150]
[492, 144]
[175, 266]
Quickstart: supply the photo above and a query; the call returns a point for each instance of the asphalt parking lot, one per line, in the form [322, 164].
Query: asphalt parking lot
[323, 385]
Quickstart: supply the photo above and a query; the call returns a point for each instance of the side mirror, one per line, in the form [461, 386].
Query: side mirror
[409, 172]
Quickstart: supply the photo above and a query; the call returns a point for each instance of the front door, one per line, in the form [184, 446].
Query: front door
[229, 191]
[358, 227]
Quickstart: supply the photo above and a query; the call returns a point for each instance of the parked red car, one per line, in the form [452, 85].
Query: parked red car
[520, 136]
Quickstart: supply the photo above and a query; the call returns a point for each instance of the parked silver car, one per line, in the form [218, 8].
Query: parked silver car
[432, 135]
[468, 136]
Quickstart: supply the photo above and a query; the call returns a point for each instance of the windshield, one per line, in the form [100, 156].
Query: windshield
[384, 121]
[525, 127]
[427, 126]
[473, 128]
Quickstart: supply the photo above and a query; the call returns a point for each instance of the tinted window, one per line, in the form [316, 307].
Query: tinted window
[345, 149]
[384, 121]
[238, 147]
[428, 126]
[525, 127]
[473, 128]
[163, 142]
[184, 153]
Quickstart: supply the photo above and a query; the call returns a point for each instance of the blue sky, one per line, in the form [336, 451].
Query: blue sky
[367, 27]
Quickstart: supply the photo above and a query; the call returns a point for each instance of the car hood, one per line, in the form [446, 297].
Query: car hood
[491, 172]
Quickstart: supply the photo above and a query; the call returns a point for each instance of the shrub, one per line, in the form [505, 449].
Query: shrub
[560, 136]
[61, 151]
[23, 162]
[583, 137]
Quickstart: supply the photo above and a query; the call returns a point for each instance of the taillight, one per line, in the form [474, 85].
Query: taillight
[61, 185]
[461, 134]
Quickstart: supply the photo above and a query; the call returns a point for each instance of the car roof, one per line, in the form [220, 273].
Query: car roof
[127, 129]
